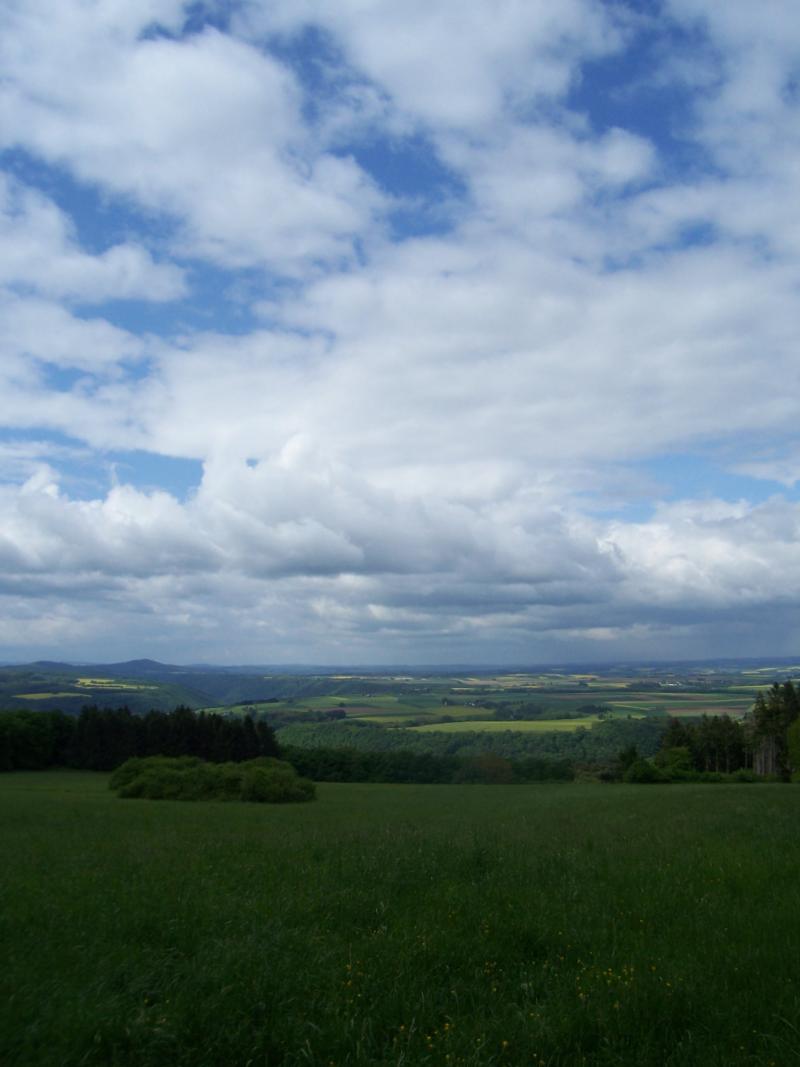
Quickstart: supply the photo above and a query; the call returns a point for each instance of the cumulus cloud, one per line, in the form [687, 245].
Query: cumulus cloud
[373, 567]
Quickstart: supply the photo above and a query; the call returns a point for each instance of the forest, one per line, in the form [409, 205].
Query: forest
[100, 739]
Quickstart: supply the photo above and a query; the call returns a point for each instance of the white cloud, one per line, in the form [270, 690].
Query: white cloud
[40, 330]
[206, 129]
[744, 120]
[451, 65]
[22, 459]
[127, 533]
[41, 252]
[712, 554]
[783, 468]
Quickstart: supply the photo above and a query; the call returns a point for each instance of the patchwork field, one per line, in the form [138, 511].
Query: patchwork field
[527, 706]
[400, 925]
[392, 699]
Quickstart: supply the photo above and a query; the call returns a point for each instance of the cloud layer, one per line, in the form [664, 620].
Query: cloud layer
[433, 297]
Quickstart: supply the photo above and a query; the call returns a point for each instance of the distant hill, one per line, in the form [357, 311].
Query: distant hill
[48, 665]
[146, 683]
[47, 685]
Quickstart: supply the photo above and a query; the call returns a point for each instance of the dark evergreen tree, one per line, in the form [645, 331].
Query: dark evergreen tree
[771, 717]
[267, 742]
[101, 739]
[676, 735]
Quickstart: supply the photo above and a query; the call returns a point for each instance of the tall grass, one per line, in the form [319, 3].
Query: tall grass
[393, 925]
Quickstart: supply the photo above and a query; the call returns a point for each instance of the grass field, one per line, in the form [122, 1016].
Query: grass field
[400, 925]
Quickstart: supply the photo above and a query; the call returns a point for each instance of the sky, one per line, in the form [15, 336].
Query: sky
[357, 332]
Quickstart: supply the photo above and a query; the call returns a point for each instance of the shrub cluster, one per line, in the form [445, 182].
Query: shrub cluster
[643, 772]
[264, 780]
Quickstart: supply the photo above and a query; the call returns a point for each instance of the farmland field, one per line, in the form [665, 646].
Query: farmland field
[42, 696]
[400, 925]
[111, 683]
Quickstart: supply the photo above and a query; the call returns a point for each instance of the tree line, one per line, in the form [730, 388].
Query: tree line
[353, 765]
[100, 739]
[766, 741]
[528, 711]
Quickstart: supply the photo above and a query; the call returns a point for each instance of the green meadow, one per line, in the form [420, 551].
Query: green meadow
[400, 925]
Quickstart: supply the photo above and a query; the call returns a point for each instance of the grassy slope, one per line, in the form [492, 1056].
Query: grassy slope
[400, 925]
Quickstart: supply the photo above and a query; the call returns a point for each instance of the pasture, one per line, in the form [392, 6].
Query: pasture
[400, 925]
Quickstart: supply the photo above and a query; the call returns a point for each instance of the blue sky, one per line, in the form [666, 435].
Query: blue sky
[362, 332]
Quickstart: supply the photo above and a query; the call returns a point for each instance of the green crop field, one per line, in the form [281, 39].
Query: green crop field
[44, 696]
[400, 925]
[111, 683]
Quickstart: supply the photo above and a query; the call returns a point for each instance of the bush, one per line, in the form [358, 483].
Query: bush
[642, 772]
[275, 785]
[133, 768]
[675, 762]
[265, 780]
[159, 783]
